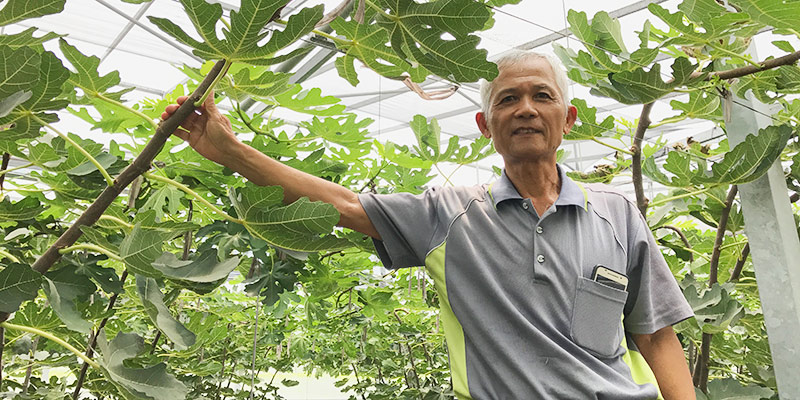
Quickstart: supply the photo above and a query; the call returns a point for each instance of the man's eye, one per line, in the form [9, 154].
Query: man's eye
[508, 99]
[543, 95]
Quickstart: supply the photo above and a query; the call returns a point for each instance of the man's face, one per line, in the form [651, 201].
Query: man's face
[528, 117]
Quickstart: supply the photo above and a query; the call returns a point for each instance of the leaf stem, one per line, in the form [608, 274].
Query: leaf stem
[194, 194]
[78, 147]
[5, 171]
[378, 9]
[670, 120]
[116, 221]
[250, 126]
[129, 109]
[8, 255]
[52, 337]
[92, 247]
[680, 196]
[734, 244]
[317, 32]
[611, 146]
[216, 80]
[732, 54]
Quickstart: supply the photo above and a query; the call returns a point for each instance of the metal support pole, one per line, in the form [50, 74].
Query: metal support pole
[775, 247]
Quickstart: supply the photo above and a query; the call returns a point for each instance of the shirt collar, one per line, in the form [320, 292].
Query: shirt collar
[571, 193]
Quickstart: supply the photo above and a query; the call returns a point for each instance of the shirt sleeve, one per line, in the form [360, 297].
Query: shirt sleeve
[654, 299]
[406, 223]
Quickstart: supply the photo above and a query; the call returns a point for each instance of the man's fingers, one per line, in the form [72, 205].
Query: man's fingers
[181, 99]
[209, 104]
[181, 133]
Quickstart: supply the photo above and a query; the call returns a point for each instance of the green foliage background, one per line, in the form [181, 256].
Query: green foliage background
[197, 284]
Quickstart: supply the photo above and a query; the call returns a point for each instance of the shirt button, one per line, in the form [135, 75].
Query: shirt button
[524, 205]
[539, 229]
[540, 258]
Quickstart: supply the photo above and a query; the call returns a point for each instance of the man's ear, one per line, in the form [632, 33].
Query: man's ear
[572, 115]
[480, 119]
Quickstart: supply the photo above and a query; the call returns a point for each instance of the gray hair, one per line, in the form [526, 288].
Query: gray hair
[516, 56]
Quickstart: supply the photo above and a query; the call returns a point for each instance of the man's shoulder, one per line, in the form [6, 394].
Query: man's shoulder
[601, 192]
[459, 195]
[611, 202]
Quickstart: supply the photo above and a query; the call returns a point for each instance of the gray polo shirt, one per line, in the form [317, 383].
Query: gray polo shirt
[522, 317]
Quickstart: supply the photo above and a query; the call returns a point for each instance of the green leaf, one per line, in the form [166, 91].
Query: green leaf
[701, 104]
[105, 277]
[714, 308]
[778, 14]
[301, 226]
[289, 382]
[36, 316]
[26, 39]
[597, 61]
[788, 80]
[749, 159]
[368, 44]
[309, 102]
[729, 388]
[27, 208]
[273, 279]
[19, 10]
[241, 42]
[699, 10]
[141, 247]
[640, 86]
[86, 76]
[203, 269]
[18, 284]
[764, 85]
[9, 103]
[713, 27]
[153, 382]
[246, 85]
[345, 131]
[19, 70]
[153, 301]
[64, 288]
[784, 45]
[677, 163]
[167, 195]
[416, 30]
[602, 173]
[588, 127]
[147, 220]
[51, 76]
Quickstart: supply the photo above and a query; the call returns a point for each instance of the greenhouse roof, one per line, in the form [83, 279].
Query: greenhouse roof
[149, 61]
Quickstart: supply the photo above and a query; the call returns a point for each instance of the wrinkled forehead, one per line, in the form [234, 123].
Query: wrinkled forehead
[534, 71]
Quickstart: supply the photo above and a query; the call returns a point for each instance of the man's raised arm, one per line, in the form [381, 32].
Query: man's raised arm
[210, 134]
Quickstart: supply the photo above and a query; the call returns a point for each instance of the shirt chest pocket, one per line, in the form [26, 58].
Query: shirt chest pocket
[597, 317]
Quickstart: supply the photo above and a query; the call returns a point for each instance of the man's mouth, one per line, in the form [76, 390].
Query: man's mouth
[524, 131]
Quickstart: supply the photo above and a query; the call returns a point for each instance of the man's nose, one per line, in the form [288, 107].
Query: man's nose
[527, 108]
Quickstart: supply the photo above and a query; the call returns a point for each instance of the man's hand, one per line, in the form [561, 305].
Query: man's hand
[207, 130]
[209, 133]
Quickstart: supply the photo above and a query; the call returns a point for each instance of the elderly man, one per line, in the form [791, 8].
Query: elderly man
[542, 281]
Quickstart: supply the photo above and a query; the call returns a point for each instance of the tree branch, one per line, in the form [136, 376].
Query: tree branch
[683, 237]
[737, 270]
[2, 347]
[751, 69]
[93, 339]
[723, 224]
[701, 371]
[6, 160]
[636, 165]
[139, 166]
